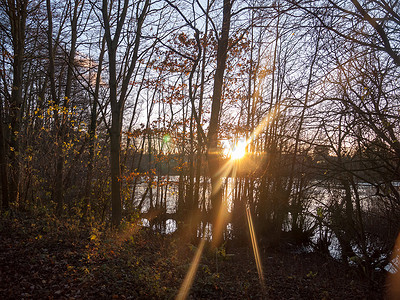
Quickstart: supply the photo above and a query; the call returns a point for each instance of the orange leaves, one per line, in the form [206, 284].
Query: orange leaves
[131, 176]
[134, 133]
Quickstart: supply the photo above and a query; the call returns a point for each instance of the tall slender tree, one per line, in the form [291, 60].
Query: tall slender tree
[17, 12]
[212, 143]
[118, 95]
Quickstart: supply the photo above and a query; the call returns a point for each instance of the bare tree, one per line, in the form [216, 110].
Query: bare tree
[118, 95]
[367, 23]
[212, 143]
[17, 12]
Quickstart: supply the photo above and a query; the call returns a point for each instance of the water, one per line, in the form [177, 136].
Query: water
[169, 227]
[171, 205]
[318, 199]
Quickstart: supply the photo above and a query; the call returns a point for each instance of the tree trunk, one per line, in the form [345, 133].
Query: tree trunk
[117, 105]
[115, 137]
[17, 13]
[92, 133]
[3, 164]
[212, 149]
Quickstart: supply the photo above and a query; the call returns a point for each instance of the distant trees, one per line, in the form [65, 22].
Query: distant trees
[358, 97]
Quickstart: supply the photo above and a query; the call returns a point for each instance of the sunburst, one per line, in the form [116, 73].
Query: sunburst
[239, 151]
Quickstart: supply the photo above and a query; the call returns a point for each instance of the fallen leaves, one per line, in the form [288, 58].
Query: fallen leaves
[67, 263]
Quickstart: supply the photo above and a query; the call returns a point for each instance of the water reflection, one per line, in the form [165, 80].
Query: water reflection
[168, 226]
[318, 200]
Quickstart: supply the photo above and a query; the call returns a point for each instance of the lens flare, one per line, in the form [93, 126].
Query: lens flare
[166, 138]
[393, 279]
[229, 168]
[191, 274]
[255, 249]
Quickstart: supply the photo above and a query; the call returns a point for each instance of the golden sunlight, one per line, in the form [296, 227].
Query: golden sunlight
[393, 278]
[236, 152]
[239, 150]
[191, 274]
[256, 250]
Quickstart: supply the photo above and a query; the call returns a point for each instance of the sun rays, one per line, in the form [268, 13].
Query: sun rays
[235, 154]
[256, 251]
[239, 151]
[191, 274]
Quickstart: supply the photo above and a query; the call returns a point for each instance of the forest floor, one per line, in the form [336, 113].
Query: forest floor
[45, 258]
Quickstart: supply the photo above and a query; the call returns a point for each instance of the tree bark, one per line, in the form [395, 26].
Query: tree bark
[117, 103]
[3, 164]
[92, 133]
[17, 13]
[212, 149]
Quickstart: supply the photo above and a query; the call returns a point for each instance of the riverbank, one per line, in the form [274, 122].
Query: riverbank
[43, 257]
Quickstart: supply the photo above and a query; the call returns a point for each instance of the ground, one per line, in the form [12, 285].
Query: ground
[45, 258]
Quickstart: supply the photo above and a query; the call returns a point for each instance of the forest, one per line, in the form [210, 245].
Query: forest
[200, 149]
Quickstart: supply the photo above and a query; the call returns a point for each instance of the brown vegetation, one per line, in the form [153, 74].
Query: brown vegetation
[45, 258]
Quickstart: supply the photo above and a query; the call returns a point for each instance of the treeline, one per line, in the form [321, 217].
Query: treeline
[93, 90]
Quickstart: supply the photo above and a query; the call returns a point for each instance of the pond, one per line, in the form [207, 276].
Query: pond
[318, 198]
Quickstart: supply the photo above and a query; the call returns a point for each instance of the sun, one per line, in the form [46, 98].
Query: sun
[234, 151]
[238, 151]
